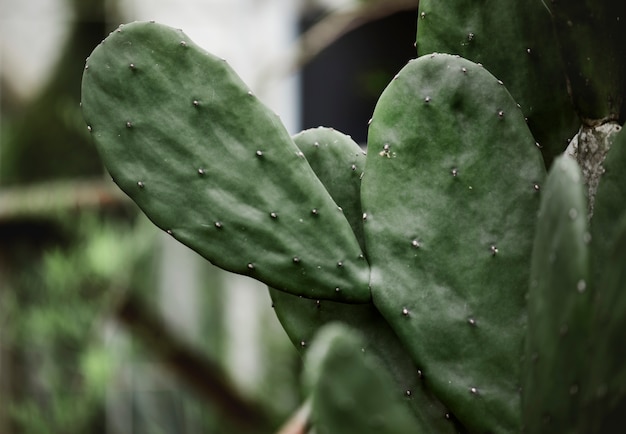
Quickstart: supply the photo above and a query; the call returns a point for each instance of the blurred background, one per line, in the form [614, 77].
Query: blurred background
[94, 300]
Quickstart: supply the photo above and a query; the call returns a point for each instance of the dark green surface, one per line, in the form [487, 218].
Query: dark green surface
[182, 135]
[450, 197]
[514, 40]
[559, 306]
[592, 36]
[348, 391]
[339, 162]
[606, 389]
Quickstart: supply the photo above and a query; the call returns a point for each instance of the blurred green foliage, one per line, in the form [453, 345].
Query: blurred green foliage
[53, 305]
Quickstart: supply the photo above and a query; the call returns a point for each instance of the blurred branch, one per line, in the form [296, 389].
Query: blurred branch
[329, 29]
[198, 372]
[299, 422]
[338, 23]
[49, 198]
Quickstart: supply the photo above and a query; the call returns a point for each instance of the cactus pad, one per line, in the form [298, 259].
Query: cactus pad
[514, 40]
[348, 391]
[559, 306]
[591, 34]
[184, 137]
[450, 194]
[606, 372]
[339, 162]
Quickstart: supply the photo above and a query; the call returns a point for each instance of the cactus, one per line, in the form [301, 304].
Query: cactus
[491, 314]
[330, 154]
[171, 143]
[514, 40]
[591, 35]
[559, 303]
[605, 390]
[449, 205]
[343, 383]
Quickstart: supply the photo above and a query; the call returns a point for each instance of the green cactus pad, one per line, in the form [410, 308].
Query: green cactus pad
[183, 136]
[606, 373]
[514, 40]
[559, 307]
[339, 162]
[591, 35]
[348, 391]
[450, 195]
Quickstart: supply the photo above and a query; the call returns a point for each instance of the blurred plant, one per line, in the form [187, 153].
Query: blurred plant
[52, 308]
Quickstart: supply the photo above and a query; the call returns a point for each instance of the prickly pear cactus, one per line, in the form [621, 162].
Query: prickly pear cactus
[559, 306]
[184, 137]
[480, 309]
[515, 41]
[339, 162]
[450, 195]
[591, 35]
[345, 384]
[574, 377]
